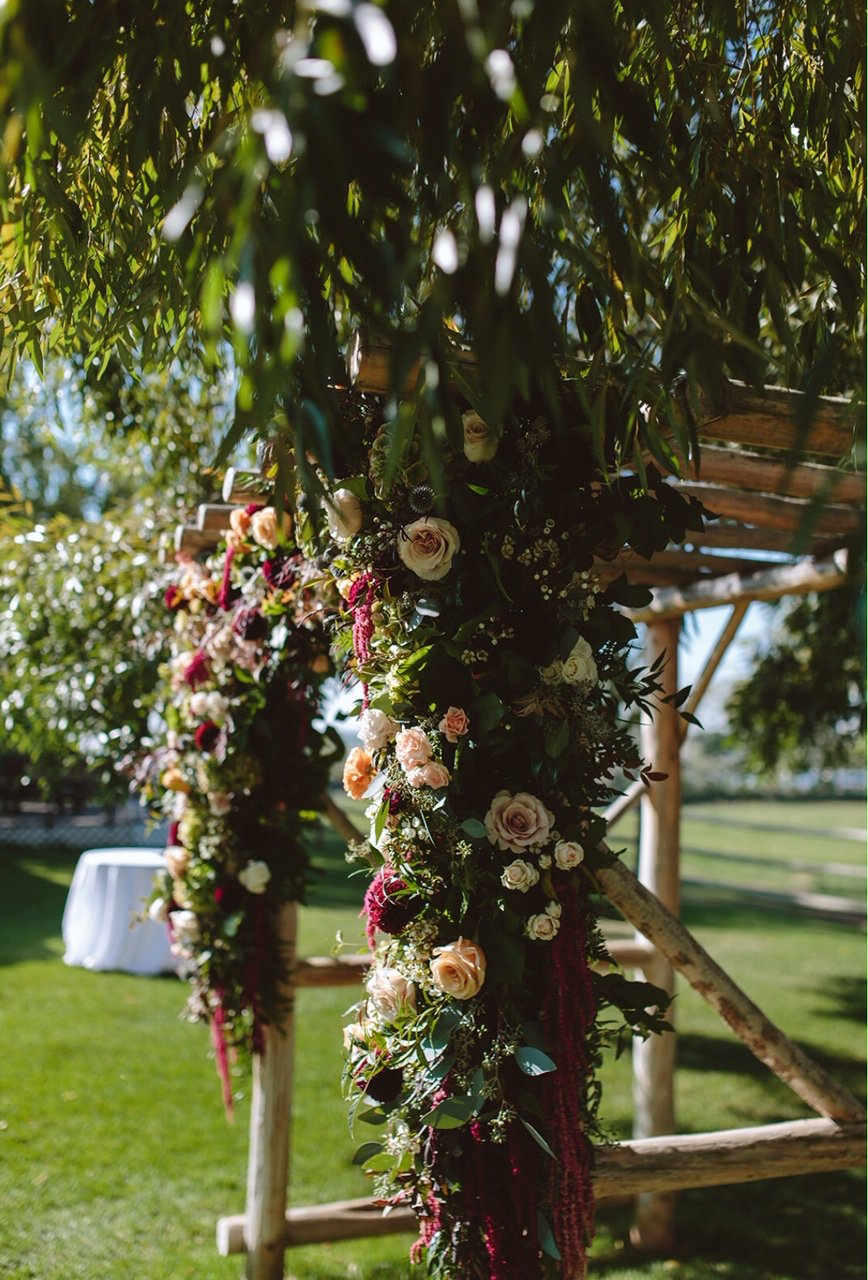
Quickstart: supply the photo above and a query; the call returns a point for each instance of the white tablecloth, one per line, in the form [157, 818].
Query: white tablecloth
[100, 929]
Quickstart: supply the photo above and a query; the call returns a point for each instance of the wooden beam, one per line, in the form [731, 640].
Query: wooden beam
[770, 512]
[691, 564]
[729, 536]
[243, 487]
[270, 1113]
[677, 1162]
[214, 517]
[193, 542]
[771, 584]
[766, 1041]
[369, 364]
[772, 417]
[740, 469]
[331, 971]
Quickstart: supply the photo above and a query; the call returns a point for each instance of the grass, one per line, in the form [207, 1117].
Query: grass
[116, 1160]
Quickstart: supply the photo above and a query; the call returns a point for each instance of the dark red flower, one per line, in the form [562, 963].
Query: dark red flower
[207, 736]
[387, 904]
[250, 624]
[385, 1085]
[174, 597]
[280, 572]
[198, 672]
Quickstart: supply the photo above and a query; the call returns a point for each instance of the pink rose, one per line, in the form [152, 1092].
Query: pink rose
[480, 442]
[454, 724]
[390, 993]
[412, 749]
[432, 774]
[459, 969]
[518, 822]
[427, 546]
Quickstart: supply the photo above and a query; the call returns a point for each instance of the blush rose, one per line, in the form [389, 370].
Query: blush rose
[454, 724]
[428, 547]
[458, 969]
[412, 749]
[519, 822]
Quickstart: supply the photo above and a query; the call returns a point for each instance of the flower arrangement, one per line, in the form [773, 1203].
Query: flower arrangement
[240, 768]
[495, 675]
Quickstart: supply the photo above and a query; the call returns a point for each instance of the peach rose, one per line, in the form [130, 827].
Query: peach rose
[458, 969]
[432, 774]
[454, 724]
[174, 780]
[343, 515]
[427, 546]
[480, 442]
[176, 858]
[390, 993]
[412, 749]
[358, 773]
[239, 522]
[518, 822]
[264, 527]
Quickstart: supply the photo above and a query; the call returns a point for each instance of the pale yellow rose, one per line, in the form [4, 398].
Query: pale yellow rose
[542, 927]
[580, 667]
[568, 854]
[255, 876]
[458, 969]
[519, 876]
[480, 442]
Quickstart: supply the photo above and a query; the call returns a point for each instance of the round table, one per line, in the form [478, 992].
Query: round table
[100, 925]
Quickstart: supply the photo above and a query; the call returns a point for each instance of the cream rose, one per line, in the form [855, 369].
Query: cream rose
[520, 876]
[432, 774]
[458, 969]
[219, 803]
[158, 911]
[542, 927]
[185, 926]
[480, 442]
[553, 673]
[580, 667]
[428, 546]
[255, 876]
[390, 993]
[343, 515]
[519, 822]
[568, 854]
[412, 749]
[375, 729]
[454, 724]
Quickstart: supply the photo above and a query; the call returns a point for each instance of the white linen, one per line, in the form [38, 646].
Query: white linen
[100, 929]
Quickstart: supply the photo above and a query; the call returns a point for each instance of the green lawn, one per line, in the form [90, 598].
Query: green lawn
[116, 1160]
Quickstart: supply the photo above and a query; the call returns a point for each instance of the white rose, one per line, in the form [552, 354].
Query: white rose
[343, 515]
[480, 442]
[553, 673]
[217, 706]
[158, 911]
[375, 729]
[199, 705]
[542, 927]
[580, 667]
[568, 854]
[519, 875]
[390, 993]
[427, 547]
[255, 876]
[185, 926]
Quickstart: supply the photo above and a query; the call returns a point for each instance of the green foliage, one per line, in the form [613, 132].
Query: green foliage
[79, 645]
[803, 705]
[658, 191]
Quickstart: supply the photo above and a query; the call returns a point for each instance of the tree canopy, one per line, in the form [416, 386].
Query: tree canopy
[634, 194]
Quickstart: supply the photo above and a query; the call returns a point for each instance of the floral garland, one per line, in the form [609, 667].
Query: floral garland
[239, 769]
[495, 674]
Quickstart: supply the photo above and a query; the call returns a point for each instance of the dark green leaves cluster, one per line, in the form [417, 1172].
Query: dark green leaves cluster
[660, 190]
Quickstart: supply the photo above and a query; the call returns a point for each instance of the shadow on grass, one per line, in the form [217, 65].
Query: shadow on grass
[806, 1228]
[729, 1055]
[33, 891]
[844, 997]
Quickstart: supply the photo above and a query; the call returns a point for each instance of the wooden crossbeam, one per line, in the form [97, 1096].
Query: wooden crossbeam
[671, 1163]
[740, 469]
[767, 1042]
[676, 561]
[729, 536]
[193, 541]
[771, 584]
[213, 517]
[243, 487]
[767, 511]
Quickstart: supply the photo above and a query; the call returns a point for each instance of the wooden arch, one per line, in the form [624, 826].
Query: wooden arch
[759, 474]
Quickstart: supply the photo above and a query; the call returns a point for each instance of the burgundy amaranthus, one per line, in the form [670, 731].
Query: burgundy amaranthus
[386, 906]
[361, 603]
[570, 1012]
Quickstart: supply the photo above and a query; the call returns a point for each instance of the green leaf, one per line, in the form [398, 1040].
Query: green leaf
[486, 714]
[474, 828]
[534, 1062]
[366, 1150]
[558, 742]
[451, 1113]
[546, 1237]
[538, 1138]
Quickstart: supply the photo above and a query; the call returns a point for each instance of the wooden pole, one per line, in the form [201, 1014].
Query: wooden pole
[767, 1042]
[270, 1113]
[659, 869]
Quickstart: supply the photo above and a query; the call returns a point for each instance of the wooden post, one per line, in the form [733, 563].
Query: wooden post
[270, 1113]
[659, 870]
